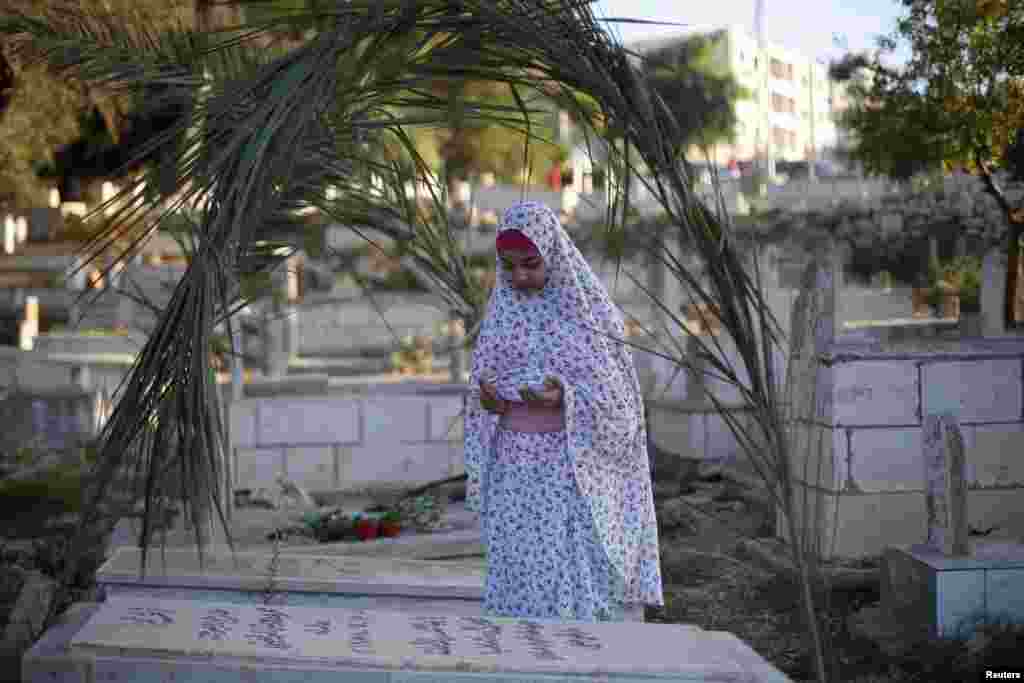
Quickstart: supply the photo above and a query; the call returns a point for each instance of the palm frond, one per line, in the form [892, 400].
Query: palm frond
[262, 134]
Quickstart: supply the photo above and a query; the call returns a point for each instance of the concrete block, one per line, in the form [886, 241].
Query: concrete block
[243, 424]
[974, 391]
[298, 422]
[258, 468]
[995, 456]
[887, 459]
[875, 393]
[398, 419]
[399, 463]
[960, 600]
[1004, 594]
[445, 418]
[311, 467]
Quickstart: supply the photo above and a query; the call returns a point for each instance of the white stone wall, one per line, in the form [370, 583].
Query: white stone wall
[879, 402]
[380, 439]
[871, 474]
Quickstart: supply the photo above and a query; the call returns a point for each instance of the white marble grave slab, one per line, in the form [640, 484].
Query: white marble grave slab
[306, 573]
[223, 637]
[875, 393]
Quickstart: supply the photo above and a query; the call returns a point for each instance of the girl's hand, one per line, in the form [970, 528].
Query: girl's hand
[489, 399]
[550, 397]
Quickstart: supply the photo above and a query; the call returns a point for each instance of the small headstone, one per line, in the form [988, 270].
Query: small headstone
[812, 331]
[945, 485]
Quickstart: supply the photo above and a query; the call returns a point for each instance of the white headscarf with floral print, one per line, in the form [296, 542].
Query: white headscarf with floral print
[569, 331]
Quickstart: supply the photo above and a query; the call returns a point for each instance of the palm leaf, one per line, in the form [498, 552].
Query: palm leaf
[268, 133]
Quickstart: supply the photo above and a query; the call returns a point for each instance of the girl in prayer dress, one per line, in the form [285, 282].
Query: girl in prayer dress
[555, 439]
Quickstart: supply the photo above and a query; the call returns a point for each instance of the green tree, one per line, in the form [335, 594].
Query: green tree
[959, 100]
[55, 131]
[42, 114]
[698, 88]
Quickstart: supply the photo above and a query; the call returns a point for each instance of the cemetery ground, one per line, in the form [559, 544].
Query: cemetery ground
[710, 524]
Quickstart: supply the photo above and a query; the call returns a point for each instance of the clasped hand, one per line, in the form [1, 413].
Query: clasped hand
[550, 397]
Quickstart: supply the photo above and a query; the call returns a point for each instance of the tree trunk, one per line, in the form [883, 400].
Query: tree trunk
[1016, 225]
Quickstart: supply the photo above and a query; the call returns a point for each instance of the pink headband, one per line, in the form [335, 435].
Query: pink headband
[514, 239]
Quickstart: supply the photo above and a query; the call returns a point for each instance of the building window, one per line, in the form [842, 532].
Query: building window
[782, 104]
[781, 70]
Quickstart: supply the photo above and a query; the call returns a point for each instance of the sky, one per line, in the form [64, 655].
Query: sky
[806, 26]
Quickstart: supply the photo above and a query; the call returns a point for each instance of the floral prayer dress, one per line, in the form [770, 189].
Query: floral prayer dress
[567, 517]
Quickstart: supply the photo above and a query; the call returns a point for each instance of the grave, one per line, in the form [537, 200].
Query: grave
[861, 442]
[949, 584]
[306, 580]
[164, 640]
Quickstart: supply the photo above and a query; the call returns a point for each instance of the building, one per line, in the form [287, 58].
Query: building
[794, 105]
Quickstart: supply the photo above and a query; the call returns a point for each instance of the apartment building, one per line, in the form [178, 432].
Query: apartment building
[792, 113]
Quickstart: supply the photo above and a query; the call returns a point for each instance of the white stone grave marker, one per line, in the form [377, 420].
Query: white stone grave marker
[306, 573]
[196, 639]
[945, 485]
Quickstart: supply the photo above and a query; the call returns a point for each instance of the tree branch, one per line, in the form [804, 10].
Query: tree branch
[1015, 225]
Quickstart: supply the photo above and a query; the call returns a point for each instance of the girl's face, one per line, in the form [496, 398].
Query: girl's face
[525, 270]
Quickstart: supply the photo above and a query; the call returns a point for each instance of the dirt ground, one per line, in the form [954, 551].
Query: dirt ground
[709, 584]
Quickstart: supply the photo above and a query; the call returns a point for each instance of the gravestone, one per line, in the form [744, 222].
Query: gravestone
[949, 584]
[175, 640]
[243, 578]
[993, 274]
[808, 388]
[945, 485]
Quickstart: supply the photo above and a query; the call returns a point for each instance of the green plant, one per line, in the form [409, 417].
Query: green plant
[415, 356]
[392, 516]
[960, 277]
